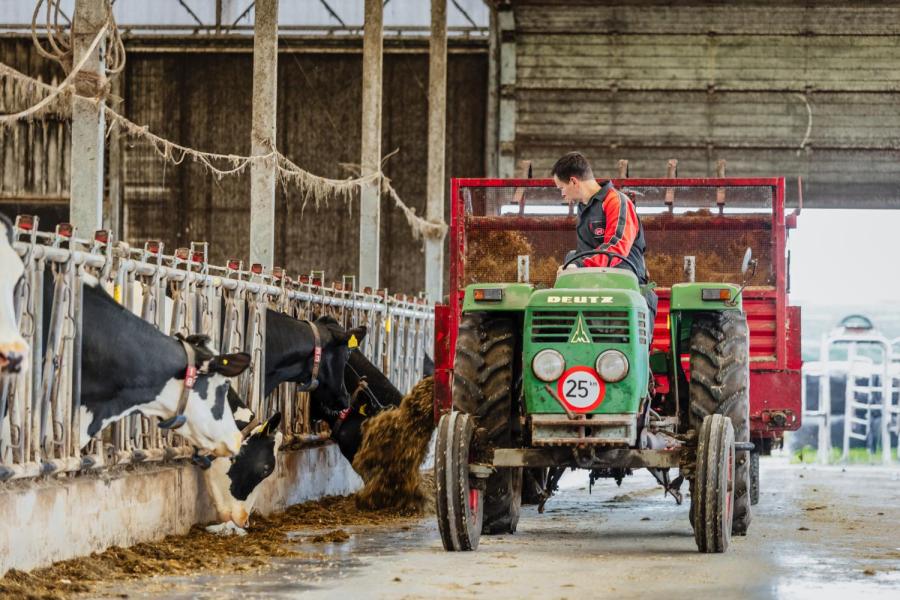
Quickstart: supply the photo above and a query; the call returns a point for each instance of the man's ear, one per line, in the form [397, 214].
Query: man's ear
[230, 365]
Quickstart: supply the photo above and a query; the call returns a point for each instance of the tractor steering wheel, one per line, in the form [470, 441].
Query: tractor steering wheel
[598, 252]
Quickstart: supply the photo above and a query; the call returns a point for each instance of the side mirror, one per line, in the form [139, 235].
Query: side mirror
[745, 264]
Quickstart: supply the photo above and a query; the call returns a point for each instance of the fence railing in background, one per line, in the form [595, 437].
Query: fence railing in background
[178, 293]
[871, 402]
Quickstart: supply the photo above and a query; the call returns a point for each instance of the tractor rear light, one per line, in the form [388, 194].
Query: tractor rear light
[548, 365]
[488, 295]
[716, 294]
[612, 366]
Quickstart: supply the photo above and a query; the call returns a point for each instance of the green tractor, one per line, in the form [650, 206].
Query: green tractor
[558, 378]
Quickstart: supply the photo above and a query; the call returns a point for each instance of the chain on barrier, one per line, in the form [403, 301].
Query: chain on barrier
[177, 293]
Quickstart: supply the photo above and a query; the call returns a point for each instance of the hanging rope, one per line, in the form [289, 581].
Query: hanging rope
[314, 187]
[59, 38]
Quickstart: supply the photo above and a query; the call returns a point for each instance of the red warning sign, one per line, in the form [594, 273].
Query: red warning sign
[581, 389]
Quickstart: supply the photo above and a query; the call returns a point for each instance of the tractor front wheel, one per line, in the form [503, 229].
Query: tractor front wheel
[720, 384]
[459, 501]
[712, 500]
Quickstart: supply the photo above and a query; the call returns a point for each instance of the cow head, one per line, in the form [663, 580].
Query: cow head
[376, 395]
[331, 396]
[233, 484]
[13, 349]
[208, 423]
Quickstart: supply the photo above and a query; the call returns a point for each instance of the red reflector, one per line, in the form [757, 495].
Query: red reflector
[64, 230]
[234, 264]
[102, 236]
[256, 268]
[25, 222]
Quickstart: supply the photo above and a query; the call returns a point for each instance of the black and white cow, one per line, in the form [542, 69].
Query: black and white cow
[290, 356]
[13, 348]
[234, 484]
[129, 366]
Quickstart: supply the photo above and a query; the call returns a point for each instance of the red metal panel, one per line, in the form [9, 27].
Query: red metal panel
[443, 392]
[794, 356]
[773, 395]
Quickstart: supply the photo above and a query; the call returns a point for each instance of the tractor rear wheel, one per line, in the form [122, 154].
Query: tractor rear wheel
[720, 384]
[483, 388]
[458, 498]
[712, 498]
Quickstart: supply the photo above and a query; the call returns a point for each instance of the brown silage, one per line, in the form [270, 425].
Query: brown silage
[197, 552]
[394, 445]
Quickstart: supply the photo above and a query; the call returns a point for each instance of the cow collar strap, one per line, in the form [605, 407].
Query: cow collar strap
[317, 359]
[190, 378]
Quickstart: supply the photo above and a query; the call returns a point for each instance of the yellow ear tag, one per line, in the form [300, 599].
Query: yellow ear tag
[353, 343]
[224, 361]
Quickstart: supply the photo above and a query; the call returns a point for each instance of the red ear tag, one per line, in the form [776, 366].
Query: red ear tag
[318, 355]
[190, 376]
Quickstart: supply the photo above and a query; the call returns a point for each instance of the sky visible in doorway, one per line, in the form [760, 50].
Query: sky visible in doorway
[845, 256]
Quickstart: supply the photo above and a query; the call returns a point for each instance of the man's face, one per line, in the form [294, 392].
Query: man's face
[570, 190]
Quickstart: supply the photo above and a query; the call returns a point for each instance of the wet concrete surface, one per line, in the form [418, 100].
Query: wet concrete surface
[818, 532]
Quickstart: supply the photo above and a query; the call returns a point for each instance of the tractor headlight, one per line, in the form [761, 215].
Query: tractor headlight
[612, 366]
[548, 365]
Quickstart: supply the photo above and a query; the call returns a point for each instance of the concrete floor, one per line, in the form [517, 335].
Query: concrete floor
[818, 532]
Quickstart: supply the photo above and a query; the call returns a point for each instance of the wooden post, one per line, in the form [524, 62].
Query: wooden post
[88, 121]
[370, 201]
[437, 125]
[262, 136]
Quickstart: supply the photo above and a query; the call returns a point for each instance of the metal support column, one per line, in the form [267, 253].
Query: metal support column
[491, 132]
[507, 128]
[437, 125]
[88, 120]
[370, 200]
[262, 173]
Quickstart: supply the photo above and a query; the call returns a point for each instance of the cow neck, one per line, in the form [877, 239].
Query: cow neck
[190, 378]
[288, 348]
[317, 359]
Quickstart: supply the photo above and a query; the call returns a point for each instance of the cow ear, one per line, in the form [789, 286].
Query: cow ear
[230, 365]
[357, 334]
[271, 424]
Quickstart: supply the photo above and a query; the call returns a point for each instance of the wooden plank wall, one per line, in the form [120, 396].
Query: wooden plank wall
[202, 99]
[647, 81]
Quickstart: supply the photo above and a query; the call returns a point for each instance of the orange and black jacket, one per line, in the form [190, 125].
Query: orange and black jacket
[610, 222]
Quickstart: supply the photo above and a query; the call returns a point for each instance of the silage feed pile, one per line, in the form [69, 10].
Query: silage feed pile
[395, 443]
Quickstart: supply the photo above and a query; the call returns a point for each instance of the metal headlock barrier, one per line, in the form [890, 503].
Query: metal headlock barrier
[179, 293]
[872, 390]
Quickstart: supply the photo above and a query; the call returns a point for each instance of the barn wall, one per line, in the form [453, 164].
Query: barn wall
[200, 96]
[648, 81]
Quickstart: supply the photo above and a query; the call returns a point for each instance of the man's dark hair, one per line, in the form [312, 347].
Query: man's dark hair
[573, 164]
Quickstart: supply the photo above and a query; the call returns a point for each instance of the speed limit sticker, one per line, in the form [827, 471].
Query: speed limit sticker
[580, 389]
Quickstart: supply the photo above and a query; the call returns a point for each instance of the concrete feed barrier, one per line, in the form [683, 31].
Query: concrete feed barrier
[51, 520]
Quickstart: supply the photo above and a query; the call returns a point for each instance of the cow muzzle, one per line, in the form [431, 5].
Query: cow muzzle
[14, 357]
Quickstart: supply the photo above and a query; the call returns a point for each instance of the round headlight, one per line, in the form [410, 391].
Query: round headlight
[612, 366]
[548, 365]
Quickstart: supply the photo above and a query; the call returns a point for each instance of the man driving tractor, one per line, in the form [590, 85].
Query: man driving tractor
[607, 221]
